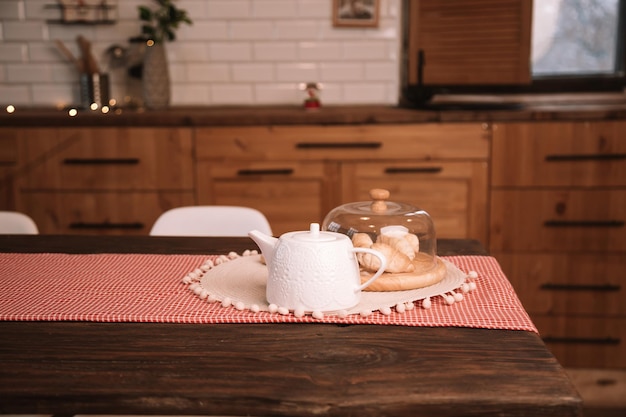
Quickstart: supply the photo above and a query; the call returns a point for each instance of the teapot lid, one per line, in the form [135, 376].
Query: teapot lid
[315, 235]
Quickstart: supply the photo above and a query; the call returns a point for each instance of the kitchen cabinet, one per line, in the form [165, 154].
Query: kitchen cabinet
[296, 174]
[101, 180]
[117, 180]
[557, 227]
[8, 162]
[453, 193]
[291, 194]
[481, 43]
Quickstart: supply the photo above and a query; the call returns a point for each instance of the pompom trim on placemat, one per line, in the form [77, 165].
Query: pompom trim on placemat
[238, 281]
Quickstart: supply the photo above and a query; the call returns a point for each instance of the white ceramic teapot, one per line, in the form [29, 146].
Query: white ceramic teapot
[313, 270]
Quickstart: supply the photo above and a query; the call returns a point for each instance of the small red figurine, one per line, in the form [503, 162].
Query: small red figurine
[312, 100]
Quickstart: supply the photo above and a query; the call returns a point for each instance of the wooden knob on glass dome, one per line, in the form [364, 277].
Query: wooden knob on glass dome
[379, 198]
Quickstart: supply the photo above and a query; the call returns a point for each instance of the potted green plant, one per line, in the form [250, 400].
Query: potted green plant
[159, 25]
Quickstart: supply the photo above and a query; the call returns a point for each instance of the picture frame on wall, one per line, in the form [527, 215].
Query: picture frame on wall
[356, 13]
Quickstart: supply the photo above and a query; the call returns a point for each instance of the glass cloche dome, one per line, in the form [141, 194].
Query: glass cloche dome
[403, 232]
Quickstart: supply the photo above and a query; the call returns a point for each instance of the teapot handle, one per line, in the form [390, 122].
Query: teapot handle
[383, 265]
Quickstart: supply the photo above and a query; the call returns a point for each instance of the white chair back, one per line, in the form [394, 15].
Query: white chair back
[16, 223]
[210, 221]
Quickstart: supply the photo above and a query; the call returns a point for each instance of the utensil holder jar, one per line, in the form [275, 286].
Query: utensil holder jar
[94, 89]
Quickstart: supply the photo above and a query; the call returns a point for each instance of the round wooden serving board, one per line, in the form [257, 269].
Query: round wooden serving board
[425, 275]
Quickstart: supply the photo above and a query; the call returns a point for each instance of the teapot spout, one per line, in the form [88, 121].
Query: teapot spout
[265, 242]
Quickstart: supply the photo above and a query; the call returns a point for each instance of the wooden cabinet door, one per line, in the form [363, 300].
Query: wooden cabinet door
[102, 180]
[290, 194]
[8, 145]
[8, 163]
[549, 154]
[558, 220]
[469, 42]
[107, 159]
[417, 142]
[453, 193]
[568, 283]
[585, 341]
[558, 229]
[102, 213]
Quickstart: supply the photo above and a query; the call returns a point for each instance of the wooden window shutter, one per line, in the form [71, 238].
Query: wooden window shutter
[470, 42]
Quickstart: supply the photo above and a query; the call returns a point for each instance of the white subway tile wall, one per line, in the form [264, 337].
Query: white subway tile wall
[237, 52]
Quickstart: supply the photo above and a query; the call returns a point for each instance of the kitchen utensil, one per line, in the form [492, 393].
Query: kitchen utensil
[94, 90]
[313, 270]
[90, 64]
[69, 55]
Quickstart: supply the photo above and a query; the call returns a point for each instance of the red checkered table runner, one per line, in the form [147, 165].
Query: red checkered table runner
[150, 288]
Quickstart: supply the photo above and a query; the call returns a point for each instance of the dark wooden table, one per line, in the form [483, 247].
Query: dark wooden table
[67, 368]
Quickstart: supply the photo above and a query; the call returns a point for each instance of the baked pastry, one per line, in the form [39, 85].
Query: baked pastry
[407, 268]
[404, 233]
[424, 275]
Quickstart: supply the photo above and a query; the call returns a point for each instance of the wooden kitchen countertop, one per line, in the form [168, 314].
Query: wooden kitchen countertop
[328, 115]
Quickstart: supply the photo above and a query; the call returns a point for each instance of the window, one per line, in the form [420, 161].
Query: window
[513, 46]
[577, 44]
[574, 37]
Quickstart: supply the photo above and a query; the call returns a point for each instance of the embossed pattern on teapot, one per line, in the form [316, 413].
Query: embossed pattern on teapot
[313, 270]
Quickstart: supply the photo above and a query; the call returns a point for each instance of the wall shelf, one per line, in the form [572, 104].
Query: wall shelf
[82, 13]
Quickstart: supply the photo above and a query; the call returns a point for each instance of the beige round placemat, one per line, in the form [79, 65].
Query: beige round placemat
[242, 281]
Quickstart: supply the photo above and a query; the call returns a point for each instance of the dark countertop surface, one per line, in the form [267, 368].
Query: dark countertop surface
[469, 111]
[268, 369]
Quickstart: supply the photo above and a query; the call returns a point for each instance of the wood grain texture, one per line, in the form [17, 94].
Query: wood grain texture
[290, 370]
[269, 369]
[426, 142]
[565, 107]
[441, 168]
[557, 228]
[425, 275]
[453, 193]
[172, 244]
[573, 154]
[470, 42]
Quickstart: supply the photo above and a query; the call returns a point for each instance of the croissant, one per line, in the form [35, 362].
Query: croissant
[413, 241]
[400, 243]
[396, 260]
[362, 240]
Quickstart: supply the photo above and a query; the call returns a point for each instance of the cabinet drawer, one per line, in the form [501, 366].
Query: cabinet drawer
[416, 141]
[104, 213]
[262, 170]
[290, 194]
[7, 190]
[8, 146]
[453, 193]
[558, 220]
[559, 154]
[108, 159]
[568, 283]
[584, 342]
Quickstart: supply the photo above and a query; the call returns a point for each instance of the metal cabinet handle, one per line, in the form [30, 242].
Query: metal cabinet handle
[106, 225]
[413, 170]
[278, 171]
[581, 287]
[584, 223]
[585, 157]
[339, 145]
[583, 340]
[101, 161]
